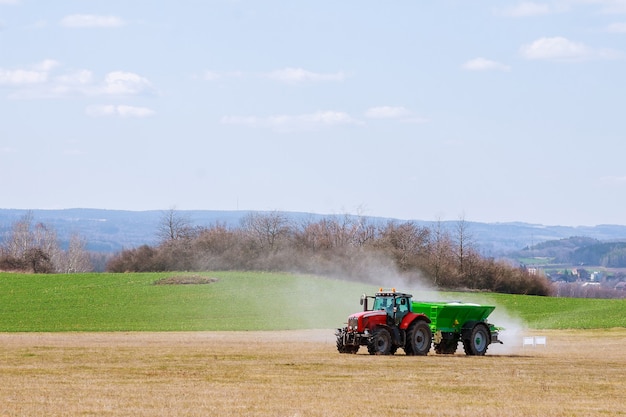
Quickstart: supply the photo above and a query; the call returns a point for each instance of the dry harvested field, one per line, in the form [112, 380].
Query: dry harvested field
[299, 373]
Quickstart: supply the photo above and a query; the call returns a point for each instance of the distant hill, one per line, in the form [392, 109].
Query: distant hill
[111, 230]
[115, 230]
[579, 250]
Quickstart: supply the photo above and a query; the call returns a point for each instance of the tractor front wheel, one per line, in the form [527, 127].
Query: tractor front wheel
[342, 347]
[380, 342]
[419, 339]
[478, 341]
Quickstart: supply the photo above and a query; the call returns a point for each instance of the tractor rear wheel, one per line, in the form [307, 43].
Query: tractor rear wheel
[419, 338]
[380, 342]
[478, 341]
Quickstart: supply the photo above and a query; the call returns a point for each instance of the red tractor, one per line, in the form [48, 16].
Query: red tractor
[388, 325]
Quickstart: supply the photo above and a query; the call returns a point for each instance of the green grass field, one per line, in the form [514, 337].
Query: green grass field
[242, 301]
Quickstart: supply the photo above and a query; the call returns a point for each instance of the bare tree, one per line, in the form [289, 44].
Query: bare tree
[218, 247]
[316, 235]
[440, 254]
[365, 233]
[20, 239]
[36, 245]
[464, 246]
[45, 239]
[346, 231]
[335, 232]
[38, 261]
[76, 258]
[173, 226]
[407, 241]
[267, 228]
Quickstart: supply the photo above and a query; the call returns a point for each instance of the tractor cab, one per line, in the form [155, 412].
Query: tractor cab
[386, 323]
[395, 304]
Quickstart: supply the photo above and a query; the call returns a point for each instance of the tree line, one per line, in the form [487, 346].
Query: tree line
[343, 246]
[34, 247]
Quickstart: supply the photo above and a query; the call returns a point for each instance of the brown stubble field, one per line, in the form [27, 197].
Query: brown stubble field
[299, 373]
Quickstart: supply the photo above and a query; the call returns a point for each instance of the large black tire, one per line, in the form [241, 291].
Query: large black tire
[418, 339]
[477, 343]
[380, 342]
[343, 348]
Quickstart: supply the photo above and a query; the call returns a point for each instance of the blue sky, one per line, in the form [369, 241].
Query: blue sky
[493, 111]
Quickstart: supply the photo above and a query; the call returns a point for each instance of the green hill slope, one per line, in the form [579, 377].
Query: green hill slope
[240, 301]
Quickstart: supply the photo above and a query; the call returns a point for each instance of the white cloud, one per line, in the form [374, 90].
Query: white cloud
[21, 77]
[121, 110]
[91, 21]
[299, 75]
[62, 87]
[39, 81]
[79, 77]
[619, 27]
[35, 74]
[289, 123]
[562, 49]
[120, 83]
[482, 64]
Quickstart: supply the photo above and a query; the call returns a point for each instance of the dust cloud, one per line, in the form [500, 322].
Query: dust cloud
[513, 328]
[334, 291]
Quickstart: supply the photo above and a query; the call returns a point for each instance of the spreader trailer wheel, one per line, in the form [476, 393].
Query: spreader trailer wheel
[478, 341]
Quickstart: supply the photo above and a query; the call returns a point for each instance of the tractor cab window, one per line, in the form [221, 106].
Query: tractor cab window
[402, 308]
[403, 305]
[384, 303]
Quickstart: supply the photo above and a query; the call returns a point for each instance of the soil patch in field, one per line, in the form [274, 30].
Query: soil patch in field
[186, 280]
